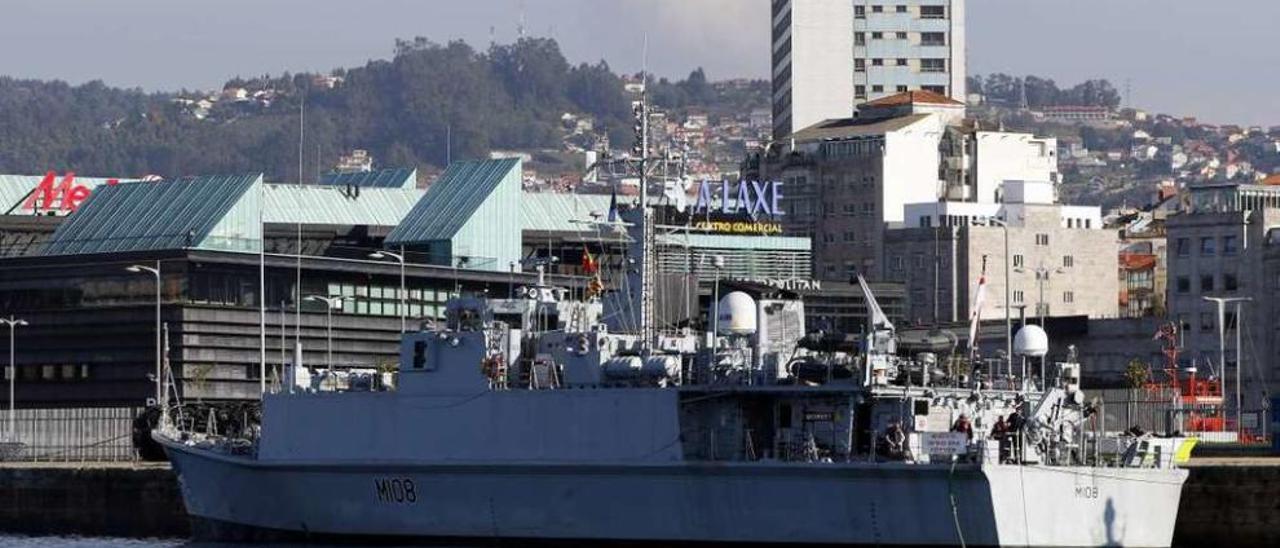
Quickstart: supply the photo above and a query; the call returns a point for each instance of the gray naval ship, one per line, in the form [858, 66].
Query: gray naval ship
[529, 419]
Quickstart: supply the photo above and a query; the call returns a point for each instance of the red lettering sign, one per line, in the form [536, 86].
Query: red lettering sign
[68, 194]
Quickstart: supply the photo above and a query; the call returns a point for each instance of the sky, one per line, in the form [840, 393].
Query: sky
[1214, 60]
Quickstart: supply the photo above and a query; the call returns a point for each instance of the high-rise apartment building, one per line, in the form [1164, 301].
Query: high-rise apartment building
[908, 45]
[830, 55]
[812, 59]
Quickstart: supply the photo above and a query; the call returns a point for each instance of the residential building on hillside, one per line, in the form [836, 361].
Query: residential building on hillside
[1062, 260]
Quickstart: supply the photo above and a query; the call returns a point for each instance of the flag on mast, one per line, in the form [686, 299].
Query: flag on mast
[613, 207]
[975, 315]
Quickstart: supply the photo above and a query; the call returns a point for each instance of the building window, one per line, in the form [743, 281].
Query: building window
[900, 35]
[902, 8]
[1068, 297]
[877, 62]
[1183, 246]
[877, 35]
[1019, 296]
[933, 65]
[1042, 239]
[919, 257]
[1230, 245]
[940, 90]
[933, 38]
[1206, 283]
[859, 65]
[1207, 247]
[902, 62]
[1230, 282]
[896, 262]
[902, 89]
[860, 12]
[1183, 284]
[1206, 321]
[877, 9]
[1068, 261]
[1017, 261]
[877, 89]
[860, 92]
[859, 38]
[849, 236]
[933, 12]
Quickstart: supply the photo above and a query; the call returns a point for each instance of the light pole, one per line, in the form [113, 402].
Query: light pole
[13, 324]
[155, 271]
[329, 302]
[1008, 282]
[718, 262]
[1042, 276]
[398, 257]
[1222, 345]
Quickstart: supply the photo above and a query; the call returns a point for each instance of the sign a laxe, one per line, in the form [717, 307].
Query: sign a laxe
[754, 198]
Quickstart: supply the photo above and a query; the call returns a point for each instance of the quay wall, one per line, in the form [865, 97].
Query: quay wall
[1226, 502]
[91, 499]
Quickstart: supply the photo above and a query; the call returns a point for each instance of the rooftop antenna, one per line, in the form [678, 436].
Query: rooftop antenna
[302, 133]
[520, 25]
[1128, 92]
[1022, 94]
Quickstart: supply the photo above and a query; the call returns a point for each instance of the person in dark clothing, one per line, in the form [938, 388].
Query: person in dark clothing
[963, 425]
[1000, 433]
[1015, 423]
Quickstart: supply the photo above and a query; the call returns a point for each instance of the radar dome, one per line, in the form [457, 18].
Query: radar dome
[1031, 341]
[737, 314]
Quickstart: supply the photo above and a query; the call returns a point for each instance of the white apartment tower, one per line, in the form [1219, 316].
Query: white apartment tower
[907, 45]
[812, 47]
[830, 55]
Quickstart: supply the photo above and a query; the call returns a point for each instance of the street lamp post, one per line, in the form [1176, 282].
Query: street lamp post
[1008, 282]
[398, 257]
[329, 302]
[154, 271]
[1042, 277]
[13, 324]
[1222, 346]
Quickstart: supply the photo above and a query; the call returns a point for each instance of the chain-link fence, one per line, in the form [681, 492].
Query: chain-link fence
[69, 435]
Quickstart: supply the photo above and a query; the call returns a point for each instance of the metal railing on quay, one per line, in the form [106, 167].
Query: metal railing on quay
[85, 434]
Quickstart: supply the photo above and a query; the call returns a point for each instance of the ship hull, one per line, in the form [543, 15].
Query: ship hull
[239, 498]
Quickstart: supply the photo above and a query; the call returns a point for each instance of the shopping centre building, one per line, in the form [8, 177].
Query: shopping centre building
[242, 265]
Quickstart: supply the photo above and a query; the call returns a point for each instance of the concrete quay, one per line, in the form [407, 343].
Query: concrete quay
[1227, 501]
[137, 500]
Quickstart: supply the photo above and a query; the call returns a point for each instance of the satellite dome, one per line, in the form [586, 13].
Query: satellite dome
[737, 314]
[1031, 341]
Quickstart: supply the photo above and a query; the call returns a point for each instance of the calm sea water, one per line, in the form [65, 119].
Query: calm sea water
[7, 541]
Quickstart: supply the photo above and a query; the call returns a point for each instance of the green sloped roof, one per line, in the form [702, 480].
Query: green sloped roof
[176, 214]
[556, 212]
[452, 200]
[333, 205]
[379, 178]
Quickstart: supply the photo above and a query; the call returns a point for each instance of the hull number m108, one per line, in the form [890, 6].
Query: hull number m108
[396, 491]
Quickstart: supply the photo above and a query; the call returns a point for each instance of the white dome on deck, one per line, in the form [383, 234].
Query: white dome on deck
[737, 314]
[1031, 341]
